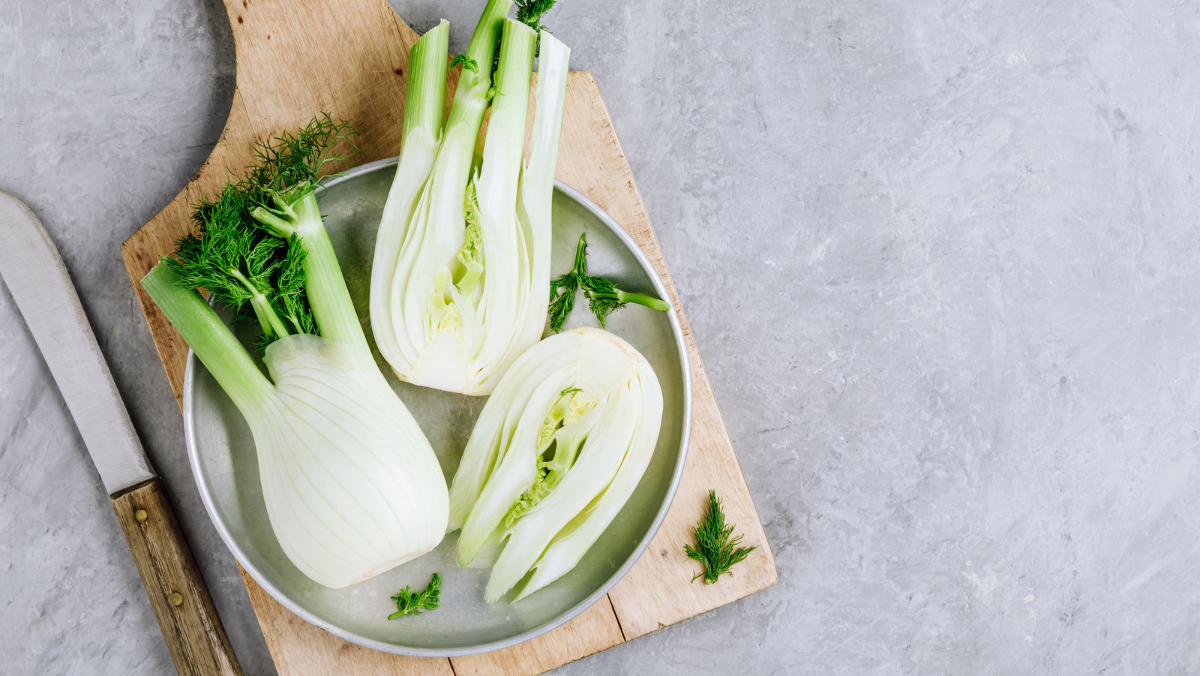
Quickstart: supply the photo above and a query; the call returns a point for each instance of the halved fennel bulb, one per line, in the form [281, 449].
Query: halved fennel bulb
[557, 451]
[462, 261]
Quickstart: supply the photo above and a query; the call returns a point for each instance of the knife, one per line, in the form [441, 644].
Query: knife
[34, 273]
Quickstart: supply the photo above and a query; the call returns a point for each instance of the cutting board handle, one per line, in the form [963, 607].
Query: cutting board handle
[298, 58]
[177, 592]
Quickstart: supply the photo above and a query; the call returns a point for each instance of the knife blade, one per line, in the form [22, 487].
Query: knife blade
[35, 275]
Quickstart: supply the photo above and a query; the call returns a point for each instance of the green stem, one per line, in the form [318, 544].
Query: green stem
[537, 180]
[271, 325]
[275, 225]
[328, 296]
[648, 301]
[209, 337]
[496, 192]
[425, 90]
[580, 268]
[510, 109]
[471, 95]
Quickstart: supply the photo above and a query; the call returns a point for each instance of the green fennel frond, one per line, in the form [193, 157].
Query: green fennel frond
[715, 549]
[466, 62]
[529, 12]
[603, 296]
[562, 290]
[289, 300]
[243, 250]
[297, 160]
[409, 602]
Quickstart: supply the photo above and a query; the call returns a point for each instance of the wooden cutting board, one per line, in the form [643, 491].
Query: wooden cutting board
[296, 58]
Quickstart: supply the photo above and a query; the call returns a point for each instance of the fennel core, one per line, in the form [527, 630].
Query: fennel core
[603, 296]
[559, 441]
[715, 549]
[531, 502]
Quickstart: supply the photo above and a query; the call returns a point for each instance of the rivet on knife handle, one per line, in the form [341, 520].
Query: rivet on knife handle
[177, 592]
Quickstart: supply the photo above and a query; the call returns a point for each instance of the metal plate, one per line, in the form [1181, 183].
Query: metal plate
[225, 464]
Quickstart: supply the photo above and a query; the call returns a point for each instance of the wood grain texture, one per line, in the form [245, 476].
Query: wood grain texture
[295, 58]
[177, 592]
[591, 631]
[301, 649]
[351, 65]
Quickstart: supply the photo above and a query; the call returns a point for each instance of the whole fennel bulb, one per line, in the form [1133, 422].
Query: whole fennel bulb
[351, 485]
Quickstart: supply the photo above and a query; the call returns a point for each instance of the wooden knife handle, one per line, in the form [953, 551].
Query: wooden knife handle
[181, 601]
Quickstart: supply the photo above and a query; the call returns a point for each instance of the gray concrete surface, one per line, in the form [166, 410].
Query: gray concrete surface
[940, 256]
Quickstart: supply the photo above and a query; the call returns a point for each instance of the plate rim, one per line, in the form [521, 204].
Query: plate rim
[564, 617]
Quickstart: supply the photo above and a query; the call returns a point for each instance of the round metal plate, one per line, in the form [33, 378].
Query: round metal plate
[225, 465]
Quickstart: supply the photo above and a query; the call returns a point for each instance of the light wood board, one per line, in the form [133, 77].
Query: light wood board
[296, 58]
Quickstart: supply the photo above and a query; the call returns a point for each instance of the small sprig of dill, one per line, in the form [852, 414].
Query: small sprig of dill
[409, 602]
[715, 549]
[603, 296]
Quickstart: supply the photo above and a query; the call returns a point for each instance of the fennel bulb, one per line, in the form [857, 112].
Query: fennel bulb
[351, 485]
[557, 451]
[462, 259]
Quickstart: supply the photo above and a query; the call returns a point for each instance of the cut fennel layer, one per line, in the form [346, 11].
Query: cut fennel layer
[557, 451]
[462, 255]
